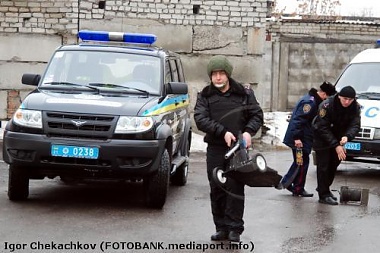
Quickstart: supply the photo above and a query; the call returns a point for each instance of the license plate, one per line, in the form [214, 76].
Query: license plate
[352, 146]
[75, 151]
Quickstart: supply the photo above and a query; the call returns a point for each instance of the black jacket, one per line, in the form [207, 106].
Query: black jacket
[333, 121]
[235, 111]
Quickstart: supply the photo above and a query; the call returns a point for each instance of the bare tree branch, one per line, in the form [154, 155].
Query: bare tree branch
[312, 8]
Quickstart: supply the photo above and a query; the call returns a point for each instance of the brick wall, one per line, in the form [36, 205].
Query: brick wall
[281, 59]
[13, 102]
[61, 16]
[31, 30]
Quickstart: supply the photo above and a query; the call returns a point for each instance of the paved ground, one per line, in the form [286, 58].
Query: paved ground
[276, 222]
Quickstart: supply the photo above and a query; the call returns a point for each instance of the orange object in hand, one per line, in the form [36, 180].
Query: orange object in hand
[299, 158]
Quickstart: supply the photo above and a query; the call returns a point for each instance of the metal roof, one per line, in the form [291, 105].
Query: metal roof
[368, 55]
[326, 19]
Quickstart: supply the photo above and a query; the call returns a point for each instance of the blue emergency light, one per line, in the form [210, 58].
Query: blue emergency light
[378, 43]
[138, 38]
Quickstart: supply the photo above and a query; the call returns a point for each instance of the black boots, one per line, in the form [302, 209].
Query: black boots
[303, 194]
[220, 236]
[232, 236]
[328, 200]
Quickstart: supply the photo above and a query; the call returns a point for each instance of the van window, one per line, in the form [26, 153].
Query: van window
[364, 77]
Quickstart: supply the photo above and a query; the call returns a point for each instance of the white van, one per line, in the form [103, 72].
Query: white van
[363, 73]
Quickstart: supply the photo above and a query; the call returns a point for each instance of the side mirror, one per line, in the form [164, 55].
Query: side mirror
[176, 88]
[30, 79]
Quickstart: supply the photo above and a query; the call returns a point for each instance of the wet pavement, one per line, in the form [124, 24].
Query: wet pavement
[279, 222]
[275, 221]
[296, 224]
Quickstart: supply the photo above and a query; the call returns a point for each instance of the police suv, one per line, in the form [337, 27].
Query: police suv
[363, 73]
[112, 107]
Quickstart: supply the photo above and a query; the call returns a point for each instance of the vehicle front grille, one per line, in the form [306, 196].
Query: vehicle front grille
[366, 133]
[73, 125]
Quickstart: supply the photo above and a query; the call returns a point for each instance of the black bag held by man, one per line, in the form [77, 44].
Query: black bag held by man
[250, 170]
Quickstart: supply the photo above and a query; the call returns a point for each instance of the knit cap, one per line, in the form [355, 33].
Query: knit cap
[347, 92]
[219, 62]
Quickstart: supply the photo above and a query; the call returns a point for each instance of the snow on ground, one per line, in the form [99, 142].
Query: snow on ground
[276, 122]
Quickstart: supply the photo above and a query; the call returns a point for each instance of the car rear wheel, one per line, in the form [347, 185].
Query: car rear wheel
[180, 176]
[156, 186]
[18, 183]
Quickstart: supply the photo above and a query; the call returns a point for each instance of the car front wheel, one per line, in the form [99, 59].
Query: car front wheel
[18, 183]
[156, 186]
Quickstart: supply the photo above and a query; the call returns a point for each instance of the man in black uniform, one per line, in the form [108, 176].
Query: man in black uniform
[224, 109]
[337, 122]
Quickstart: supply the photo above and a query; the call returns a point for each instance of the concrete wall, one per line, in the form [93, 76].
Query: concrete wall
[21, 53]
[31, 30]
[305, 53]
[281, 59]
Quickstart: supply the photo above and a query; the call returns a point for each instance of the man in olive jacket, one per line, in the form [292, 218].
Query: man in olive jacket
[225, 109]
[337, 122]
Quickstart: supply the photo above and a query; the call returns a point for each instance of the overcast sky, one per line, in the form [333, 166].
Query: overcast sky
[348, 7]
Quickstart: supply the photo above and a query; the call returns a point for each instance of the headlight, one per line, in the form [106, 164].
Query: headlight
[28, 118]
[376, 136]
[133, 124]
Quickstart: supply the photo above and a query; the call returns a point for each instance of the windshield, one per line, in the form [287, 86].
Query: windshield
[364, 77]
[109, 69]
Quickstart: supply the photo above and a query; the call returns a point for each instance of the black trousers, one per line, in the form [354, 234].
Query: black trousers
[227, 210]
[327, 164]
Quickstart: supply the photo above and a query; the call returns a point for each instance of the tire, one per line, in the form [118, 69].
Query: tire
[217, 175]
[259, 162]
[180, 176]
[157, 185]
[18, 183]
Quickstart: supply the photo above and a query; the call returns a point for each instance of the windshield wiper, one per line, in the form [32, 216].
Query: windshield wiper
[369, 95]
[60, 85]
[108, 85]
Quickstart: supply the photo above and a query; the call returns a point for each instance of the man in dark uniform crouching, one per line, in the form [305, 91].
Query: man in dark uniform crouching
[337, 122]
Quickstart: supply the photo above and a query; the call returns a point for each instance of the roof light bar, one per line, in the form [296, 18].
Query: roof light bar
[377, 43]
[138, 38]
